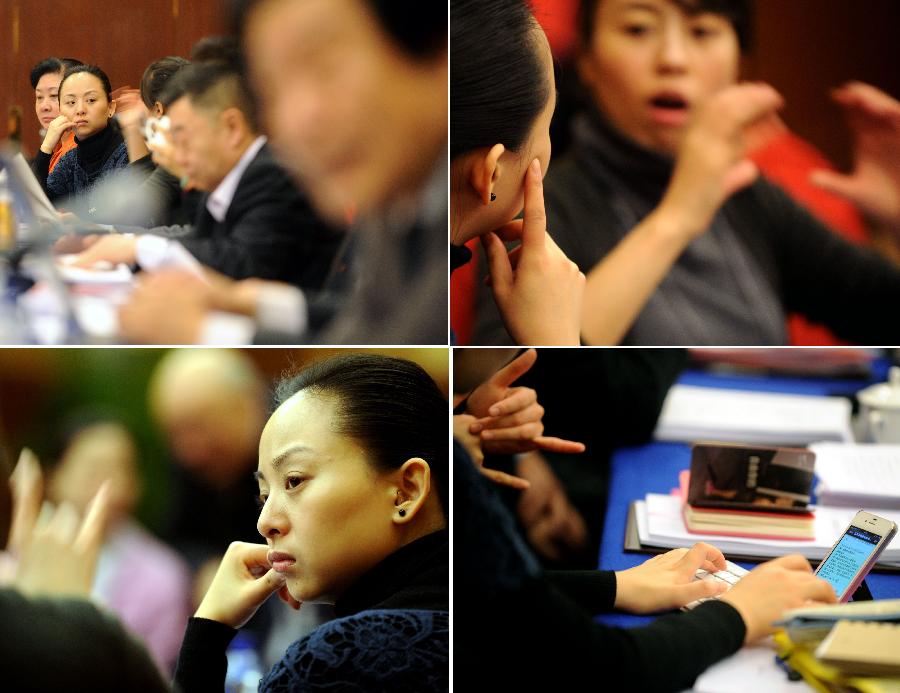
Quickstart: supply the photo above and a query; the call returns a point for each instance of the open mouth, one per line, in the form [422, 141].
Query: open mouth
[669, 101]
[669, 108]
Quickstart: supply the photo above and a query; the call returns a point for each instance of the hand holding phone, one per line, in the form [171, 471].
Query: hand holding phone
[855, 553]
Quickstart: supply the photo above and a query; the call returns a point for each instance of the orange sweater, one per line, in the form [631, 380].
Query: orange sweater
[66, 143]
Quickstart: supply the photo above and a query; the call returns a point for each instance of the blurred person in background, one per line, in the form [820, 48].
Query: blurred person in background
[56, 131]
[86, 101]
[51, 636]
[253, 221]
[210, 405]
[658, 169]
[140, 579]
[353, 94]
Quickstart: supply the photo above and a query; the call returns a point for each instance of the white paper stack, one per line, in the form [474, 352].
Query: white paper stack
[660, 523]
[701, 413]
[859, 476]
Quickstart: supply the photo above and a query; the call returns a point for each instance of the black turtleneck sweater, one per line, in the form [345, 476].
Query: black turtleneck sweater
[399, 608]
[762, 257]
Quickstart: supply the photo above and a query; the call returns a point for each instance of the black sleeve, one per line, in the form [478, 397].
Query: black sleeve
[515, 628]
[68, 644]
[41, 168]
[273, 239]
[850, 289]
[593, 590]
[201, 662]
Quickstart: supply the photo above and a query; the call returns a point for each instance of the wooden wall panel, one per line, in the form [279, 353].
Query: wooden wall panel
[806, 47]
[121, 36]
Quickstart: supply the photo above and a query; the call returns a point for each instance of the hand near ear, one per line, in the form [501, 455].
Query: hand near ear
[537, 288]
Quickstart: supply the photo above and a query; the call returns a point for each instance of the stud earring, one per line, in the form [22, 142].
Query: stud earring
[402, 512]
[493, 197]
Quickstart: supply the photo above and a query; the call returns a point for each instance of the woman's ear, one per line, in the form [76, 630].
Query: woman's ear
[112, 108]
[158, 110]
[413, 489]
[486, 172]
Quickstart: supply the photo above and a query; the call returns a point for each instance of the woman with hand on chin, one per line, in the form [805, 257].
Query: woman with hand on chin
[353, 478]
[85, 99]
[502, 96]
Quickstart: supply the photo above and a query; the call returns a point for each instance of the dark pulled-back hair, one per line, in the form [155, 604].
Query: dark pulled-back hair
[738, 12]
[213, 86]
[90, 69]
[418, 27]
[498, 85]
[157, 76]
[390, 406]
[51, 65]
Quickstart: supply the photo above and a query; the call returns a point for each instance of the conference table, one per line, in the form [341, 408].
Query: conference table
[654, 468]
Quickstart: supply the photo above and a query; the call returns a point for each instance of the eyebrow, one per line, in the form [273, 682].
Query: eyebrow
[87, 93]
[641, 6]
[280, 459]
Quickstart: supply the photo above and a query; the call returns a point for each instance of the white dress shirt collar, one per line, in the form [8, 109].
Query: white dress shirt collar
[220, 199]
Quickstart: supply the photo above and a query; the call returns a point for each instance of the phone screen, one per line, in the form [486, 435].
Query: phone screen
[849, 555]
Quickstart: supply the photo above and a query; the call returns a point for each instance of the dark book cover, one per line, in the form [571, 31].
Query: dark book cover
[740, 477]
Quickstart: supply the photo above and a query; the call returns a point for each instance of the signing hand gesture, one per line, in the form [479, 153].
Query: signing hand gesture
[56, 551]
[874, 183]
[537, 288]
[242, 583]
[712, 164]
[509, 418]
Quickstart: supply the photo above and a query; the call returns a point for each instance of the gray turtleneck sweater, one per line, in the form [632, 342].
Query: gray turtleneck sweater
[763, 256]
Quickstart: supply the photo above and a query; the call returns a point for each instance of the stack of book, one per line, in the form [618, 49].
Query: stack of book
[852, 646]
[756, 492]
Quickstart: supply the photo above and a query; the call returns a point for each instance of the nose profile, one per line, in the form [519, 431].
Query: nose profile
[673, 51]
[271, 522]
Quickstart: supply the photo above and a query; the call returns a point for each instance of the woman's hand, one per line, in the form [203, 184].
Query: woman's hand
[242, 583]
[509, 418]
[712, 163]
[767, 591]
[874, 184]
[55, 131]
[667, 581]
[56, 551]
[472, 443]
[537, 288]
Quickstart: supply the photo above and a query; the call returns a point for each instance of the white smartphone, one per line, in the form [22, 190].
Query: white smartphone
[855, 552]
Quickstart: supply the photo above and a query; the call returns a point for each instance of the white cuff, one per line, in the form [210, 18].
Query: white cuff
[156, 252]
[281, 307]
[227, 329]
[151, 251]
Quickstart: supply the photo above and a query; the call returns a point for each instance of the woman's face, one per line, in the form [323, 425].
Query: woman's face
[46, 97]
[650, 66]
[325, 507]
[83, 101]
[102, 452]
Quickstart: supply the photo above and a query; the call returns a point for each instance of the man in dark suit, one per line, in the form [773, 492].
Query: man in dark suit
[253, 222]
